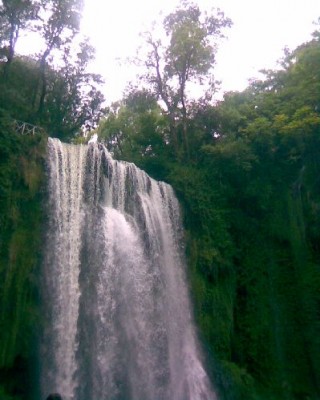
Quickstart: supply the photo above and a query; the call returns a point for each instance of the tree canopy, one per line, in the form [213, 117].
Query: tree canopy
[186, 56]
[249, 191]
[61, 97]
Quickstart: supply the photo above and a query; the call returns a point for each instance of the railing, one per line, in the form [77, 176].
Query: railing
[24, 128]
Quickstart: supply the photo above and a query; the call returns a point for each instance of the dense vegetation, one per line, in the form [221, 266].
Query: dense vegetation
[246, 171]
[53, 88]
[21, 176]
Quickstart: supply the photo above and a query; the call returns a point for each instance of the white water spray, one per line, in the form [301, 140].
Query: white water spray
[118, 316]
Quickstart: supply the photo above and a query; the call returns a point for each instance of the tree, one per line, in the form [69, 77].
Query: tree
[135, 129]
[188, 57]
[61, 22]
[73, 101]
[15, 15]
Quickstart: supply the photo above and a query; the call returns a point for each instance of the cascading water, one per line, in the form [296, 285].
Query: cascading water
[118, 324]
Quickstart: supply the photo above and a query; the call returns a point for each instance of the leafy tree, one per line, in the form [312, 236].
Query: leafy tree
[188, 57]
[61, 24]
[73, 100]
[61, 97]
[15, 15]
[16, 91]
[136, 129]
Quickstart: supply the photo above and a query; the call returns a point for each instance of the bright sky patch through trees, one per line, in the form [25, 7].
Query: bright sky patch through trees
[261, 29]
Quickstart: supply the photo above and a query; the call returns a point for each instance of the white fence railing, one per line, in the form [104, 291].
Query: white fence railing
[24, 128]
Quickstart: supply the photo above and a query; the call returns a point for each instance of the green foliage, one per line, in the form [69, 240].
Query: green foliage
[5, 396]
[210, 254]
[16, 90]
[266, 151]
[15, 15]
[249, 191]
[136, 130]
[243, 385]
[52, 89]
[21, 175]
[72, 102]
[191, 52]
[187, 58]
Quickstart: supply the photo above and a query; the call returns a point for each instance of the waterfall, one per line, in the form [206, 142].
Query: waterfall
[117, 316]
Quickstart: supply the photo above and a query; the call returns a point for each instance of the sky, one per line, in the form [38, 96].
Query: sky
[261, 30]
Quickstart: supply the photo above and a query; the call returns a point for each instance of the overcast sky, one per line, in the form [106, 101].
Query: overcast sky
[260, 31]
